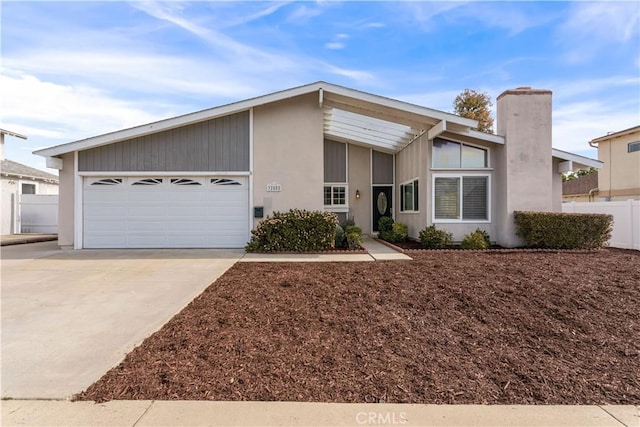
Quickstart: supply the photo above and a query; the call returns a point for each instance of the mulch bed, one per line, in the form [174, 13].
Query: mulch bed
[447, 327]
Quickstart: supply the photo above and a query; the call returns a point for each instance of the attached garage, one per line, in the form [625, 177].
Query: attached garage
[165, 212]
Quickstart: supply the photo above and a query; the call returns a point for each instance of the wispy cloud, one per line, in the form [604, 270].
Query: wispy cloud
[338, 42]
[591, 27]
[515, 19]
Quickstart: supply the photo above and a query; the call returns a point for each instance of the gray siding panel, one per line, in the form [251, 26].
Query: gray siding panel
[382, 168]
[220, 144]
[335, 161]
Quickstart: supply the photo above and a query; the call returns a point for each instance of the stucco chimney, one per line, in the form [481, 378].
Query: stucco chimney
[525, 161]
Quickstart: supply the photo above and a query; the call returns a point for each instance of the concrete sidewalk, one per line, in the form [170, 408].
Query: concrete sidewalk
[201, 413]
[376, 251]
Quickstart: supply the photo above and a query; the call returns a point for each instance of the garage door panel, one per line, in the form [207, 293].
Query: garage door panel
[165, 214]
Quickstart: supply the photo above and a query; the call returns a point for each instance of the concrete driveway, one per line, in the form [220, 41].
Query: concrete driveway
[69, 316]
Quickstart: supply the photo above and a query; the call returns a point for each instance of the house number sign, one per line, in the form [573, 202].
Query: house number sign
[274, 186]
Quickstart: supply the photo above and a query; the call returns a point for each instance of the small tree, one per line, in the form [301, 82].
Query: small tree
[477, 106]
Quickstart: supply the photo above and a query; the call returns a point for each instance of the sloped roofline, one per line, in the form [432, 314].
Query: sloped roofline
[576, 158]
[244, 105]
[616, 134]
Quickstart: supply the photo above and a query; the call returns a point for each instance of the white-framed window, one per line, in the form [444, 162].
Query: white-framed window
[409, 196]
[461, 198]
[455, 155]
[336, 197]
[633, 147]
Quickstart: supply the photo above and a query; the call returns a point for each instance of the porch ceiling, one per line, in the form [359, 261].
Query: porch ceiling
[348, 126]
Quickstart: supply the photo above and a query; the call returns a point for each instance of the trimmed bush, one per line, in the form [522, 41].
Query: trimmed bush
[353, 236]
[432, 238]
[294, 231]
[479, 239]
[551, 230]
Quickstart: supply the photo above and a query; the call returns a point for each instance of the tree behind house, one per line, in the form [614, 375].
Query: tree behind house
[477, 106]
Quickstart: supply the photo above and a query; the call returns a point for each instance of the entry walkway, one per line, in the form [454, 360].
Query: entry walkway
[376, 251]
[202, 413]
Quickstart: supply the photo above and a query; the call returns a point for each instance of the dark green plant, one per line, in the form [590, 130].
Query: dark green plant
[432, 238]
[339, 238]
[385, 223]
[353, 235]
[478, 239]
[553, 230]
[294, 231]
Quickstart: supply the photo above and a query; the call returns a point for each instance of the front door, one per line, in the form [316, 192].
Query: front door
[382, 199]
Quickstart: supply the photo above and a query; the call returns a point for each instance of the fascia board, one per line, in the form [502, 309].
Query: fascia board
[576, 158]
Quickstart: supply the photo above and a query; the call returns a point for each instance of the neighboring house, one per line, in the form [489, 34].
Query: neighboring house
[17, 180]
[207, 178]
[619, 179]
[581, 189]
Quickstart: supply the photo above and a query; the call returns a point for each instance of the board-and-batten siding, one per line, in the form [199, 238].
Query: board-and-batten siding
[382, 172]
[220, 145]
[335, 161]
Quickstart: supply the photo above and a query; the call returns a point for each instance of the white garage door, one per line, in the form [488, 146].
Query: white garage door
[165, 212]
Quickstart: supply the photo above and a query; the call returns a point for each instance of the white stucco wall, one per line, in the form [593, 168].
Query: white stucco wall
[288, 150]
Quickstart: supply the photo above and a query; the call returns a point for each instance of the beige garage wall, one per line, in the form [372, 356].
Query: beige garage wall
[288, 150]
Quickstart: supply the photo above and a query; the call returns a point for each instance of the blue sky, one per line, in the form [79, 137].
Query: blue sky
[71, 70]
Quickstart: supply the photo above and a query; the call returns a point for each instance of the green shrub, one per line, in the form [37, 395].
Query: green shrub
[479, 239]
[348, 222]
[563, 230]
[353, 236]
[432, 238]
[338, 237]
[296, 231]
[385, 224]
[399, 233]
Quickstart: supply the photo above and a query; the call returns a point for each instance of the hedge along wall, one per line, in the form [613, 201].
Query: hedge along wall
[553, 230]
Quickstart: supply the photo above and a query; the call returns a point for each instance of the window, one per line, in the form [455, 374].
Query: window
[633, 146]
[335, 195]
[461, 198]
[409, 196]
[28, 189]
[453, 155]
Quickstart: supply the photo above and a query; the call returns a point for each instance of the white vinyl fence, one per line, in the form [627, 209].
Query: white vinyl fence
[626, 220]
[38, 213]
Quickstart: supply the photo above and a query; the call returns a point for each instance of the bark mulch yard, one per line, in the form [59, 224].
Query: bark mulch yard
[448, 327]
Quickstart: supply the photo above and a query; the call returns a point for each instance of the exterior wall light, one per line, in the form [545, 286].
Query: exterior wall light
[357, 194]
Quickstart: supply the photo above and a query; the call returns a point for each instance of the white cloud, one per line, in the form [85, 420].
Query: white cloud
[593, 26]
[335, 45]
[53, 111]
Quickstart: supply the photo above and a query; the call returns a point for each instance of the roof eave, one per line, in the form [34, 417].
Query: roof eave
[576, 158]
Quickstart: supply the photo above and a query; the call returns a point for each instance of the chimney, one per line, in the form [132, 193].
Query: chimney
[524, 173]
